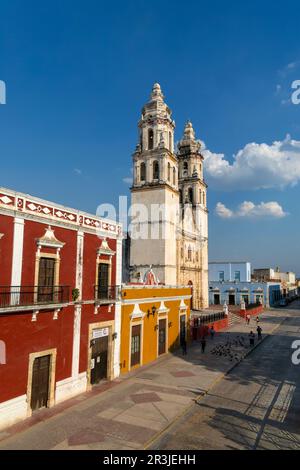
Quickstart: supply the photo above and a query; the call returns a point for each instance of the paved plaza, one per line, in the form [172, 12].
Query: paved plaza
[211, 400]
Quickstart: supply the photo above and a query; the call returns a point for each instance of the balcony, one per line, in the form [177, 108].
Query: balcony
[106, 294]
[26, 297]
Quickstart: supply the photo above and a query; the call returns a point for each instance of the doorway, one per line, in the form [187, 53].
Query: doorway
[231, 299]
[135, 345]
[162, 337]
[99, 359]
[217, 299]
[40, 382]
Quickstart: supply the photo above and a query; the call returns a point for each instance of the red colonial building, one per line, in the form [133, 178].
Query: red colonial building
[60, 311]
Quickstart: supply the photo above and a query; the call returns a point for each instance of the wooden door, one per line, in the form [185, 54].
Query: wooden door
[46, 279]
[103, 278]
[231, 299]
[182, 329]
[40, 382]
[135, 345]
[162, 337]
[99, 359]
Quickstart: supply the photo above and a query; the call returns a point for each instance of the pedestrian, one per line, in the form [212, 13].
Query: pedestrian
[183, 346]
[257, 321]
[259, 331]
[251, 338]
[203, 344]
[212, 332]
[248, 319]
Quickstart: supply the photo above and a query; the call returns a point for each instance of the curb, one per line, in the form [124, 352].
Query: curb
[201, 396]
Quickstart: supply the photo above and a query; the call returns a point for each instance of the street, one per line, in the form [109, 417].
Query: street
[257, 406]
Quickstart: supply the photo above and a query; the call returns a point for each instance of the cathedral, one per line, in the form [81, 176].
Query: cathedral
[169, 230]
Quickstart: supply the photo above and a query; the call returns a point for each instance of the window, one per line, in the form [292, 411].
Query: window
[190, 254]
[190, 195]
[174, 176]
[143, 171]
[169, 171]
[46, 279]
[170, 141]
[155, 170]
[150, 139]
[103, 281]
[237, 276]
[185, 168]
[221, 276]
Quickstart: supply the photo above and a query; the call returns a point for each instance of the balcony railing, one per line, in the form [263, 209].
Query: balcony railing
[208, 318]
[25, 296]
[108, 294]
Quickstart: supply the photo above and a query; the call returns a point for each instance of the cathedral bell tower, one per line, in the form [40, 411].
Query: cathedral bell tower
[154, 193]
[193, 230]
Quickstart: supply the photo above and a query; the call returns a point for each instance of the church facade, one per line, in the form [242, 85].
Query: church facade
[169, 229]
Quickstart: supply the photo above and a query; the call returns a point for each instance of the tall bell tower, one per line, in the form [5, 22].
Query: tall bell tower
[154, 193]
[193, 229]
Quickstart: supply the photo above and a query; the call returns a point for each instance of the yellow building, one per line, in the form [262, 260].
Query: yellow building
[154, 320]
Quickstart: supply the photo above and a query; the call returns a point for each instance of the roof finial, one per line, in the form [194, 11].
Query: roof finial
[157, 93]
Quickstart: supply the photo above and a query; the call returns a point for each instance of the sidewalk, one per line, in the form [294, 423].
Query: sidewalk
[130, 412]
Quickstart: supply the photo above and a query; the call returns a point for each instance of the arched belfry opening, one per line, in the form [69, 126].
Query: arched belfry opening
[150, 139]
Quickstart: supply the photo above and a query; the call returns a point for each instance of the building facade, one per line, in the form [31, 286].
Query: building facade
[171, 232]
[60, 310]
[231, 282]
[155, 319]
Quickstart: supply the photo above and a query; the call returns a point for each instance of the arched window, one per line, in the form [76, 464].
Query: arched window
[190, 196]
[150, 139]
[190, 254]
[185, 168]
[143, 171]
[155, 170]
[169, 171]
[174, 176]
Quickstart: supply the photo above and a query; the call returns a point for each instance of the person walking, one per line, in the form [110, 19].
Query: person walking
[259, 331]
[212, 332]
[257, 321]
[248, 319]
[251, 338]
[203, 344]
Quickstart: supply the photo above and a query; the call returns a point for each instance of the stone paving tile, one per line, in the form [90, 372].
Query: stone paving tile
[140, 421]
[86, 436]
[182, 373]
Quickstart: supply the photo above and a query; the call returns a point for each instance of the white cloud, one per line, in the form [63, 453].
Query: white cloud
[249, 210]
[256, 166]
[128, 179]
[77, 171]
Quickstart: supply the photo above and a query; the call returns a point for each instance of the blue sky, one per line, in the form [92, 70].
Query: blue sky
[78, 72]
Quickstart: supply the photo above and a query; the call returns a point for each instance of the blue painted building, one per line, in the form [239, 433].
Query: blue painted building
[231, 282]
